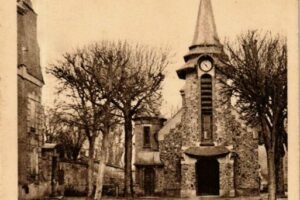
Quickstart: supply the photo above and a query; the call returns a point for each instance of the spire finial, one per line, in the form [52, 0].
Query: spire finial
[205, 32]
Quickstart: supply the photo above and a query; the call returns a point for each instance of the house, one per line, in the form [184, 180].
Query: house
[30, 82]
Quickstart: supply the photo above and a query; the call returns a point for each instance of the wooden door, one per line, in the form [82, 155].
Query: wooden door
[149, 181]
[208, 181]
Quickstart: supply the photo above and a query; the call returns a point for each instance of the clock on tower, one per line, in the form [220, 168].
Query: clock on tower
[205, 65]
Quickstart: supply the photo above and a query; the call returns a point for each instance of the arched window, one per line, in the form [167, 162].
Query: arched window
[206, 108]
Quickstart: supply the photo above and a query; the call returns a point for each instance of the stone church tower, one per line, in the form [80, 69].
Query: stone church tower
[205, 149]
[213, 154]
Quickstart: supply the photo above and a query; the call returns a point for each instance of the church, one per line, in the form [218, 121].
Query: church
[206, 149]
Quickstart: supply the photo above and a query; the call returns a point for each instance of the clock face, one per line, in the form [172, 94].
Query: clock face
[206, 65]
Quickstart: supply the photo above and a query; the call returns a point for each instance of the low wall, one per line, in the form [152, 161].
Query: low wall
[75, 178]
[74, 175]
[34, 191]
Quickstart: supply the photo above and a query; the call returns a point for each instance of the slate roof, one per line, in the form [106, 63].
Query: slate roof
[28, 49]
[170, 124]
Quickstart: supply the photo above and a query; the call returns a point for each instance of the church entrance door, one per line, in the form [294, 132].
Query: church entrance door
[149, 181]
[207, 174]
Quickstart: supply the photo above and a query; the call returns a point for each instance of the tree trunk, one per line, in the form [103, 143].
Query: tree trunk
[90, 169]
[128, 182]
[279, 175]
[101, 167]
[272, 174]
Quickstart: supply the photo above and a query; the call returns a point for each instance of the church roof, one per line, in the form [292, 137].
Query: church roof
[28, 49]
[205, 31]
[170, 124]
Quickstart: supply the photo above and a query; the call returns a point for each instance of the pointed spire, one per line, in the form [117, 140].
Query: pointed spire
[205, 32]
[206, 40]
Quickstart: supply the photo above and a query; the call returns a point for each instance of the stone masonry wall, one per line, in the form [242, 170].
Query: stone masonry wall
[226, 165]
[75, 176]
[223, 120]
[233, 132]
[188, 182]
[159, 180]
[190, 118]
[170, 152]
[247, 167]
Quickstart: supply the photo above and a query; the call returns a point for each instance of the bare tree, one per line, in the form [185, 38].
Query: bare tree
[62, 130]
[52, 124]
[84, 103]
[256, 75]
[104, 76]
[71, 139]
[116, 143]
[136, 73]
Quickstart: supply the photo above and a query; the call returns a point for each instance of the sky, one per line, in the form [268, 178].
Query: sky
[67, 24]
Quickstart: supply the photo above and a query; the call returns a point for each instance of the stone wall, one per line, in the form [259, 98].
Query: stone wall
[233, 132]
[227, 186]
[170, 151]
[159, 180]
[114, 176]
[188, 181]
[36, 191]
[75, 177]
[190, 117]
[224, 121]
[247, 168]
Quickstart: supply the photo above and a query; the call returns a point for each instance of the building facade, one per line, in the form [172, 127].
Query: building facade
[30, 111]
[148, 166]
[206, 148]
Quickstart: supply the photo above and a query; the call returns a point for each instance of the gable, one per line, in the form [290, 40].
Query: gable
[170, 124]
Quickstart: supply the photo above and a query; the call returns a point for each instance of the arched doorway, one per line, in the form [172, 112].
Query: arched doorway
[207, 176]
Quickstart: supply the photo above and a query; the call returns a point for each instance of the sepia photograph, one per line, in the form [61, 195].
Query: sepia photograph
[152, 99]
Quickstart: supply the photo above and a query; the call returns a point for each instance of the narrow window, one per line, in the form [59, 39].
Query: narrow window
[206, 108]
[32, 115]
[146, 136]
